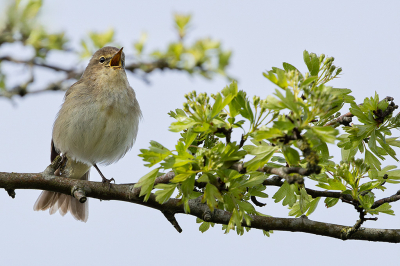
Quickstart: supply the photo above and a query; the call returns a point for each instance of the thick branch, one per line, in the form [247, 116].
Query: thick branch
[128, 193]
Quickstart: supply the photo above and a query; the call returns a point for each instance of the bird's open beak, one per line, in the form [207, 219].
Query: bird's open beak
[116, 60]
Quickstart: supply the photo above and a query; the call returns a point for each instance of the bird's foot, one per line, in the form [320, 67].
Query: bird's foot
[107, 181]
[104, 180]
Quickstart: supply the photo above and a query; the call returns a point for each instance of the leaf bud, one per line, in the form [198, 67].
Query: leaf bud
[256, 100]
[186, 107]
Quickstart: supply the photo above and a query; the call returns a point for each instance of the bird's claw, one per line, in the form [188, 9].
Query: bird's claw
[107, 181]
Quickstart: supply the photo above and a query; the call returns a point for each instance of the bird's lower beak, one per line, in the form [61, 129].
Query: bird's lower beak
[116, 60]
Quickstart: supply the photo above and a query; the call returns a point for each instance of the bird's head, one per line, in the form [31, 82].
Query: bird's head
[108, 57]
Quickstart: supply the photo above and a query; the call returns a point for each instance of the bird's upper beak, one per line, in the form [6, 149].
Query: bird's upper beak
[116, 61]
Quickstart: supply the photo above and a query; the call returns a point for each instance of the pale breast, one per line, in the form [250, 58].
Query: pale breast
[97, 128]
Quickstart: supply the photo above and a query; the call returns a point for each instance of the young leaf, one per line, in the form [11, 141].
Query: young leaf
[291, 155]
[210, 194]
[146, 183]
[262, 155]
[165, 192]
[326, 134]
[155, 154]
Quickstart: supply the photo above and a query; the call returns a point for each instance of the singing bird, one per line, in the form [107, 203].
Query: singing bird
[97, 124]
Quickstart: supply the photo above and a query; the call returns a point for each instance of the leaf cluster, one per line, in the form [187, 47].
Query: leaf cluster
[205, 57]
[286, 131]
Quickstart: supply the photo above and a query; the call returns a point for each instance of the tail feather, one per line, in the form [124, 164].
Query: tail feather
[63, 203]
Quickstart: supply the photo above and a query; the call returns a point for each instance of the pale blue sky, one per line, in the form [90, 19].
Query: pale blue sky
[363, 36]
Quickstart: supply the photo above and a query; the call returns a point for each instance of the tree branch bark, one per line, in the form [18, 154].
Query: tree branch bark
[126, 192]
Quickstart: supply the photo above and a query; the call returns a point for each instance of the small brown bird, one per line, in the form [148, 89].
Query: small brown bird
[97, 124]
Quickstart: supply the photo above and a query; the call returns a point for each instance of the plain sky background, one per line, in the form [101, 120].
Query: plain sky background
[363, 36]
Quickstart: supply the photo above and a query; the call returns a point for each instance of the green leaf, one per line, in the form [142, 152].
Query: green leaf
[31, 9]
[288, 67]
[335, 184]
[387, 148]
[155, 154]
[165, 192]
[308, 80]
[355, 110]
[267, 133]
[326, 134]
[304, 200]
[204, 227]
[182, 124]
[313, 206]
[254, 180]
[291, 155]
[372, 145]
[393, 142]
[271, 76]
[369, 185]
[190, 136]
[330, 202]
[312, 63]
[218, 106]
[146, 183]
[262, 155]
[367, 200]
[102, 39]
[348, 177]
[384, 208]
[210, 194]
[282, 81]
[283, 125]
[181, 177]
[230, 93]
[372, 161]
[286, 192]
[245, 107]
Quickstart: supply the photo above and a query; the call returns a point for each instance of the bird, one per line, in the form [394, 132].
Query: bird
[97, 124]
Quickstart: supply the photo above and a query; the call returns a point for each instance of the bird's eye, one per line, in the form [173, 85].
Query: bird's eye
[102, 59]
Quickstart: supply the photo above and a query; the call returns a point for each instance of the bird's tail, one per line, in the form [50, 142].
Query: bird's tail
[63, 203]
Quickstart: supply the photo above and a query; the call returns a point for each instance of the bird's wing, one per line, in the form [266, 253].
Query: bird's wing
[54, 153]
[73, 87]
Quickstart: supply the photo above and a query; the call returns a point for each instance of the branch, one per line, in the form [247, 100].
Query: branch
[393, 198]
[276, 181]
[146, 67]
[33, 62]
[345, 120]
[273, 181]
[126, 192]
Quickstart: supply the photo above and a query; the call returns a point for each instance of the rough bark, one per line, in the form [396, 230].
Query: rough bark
[127, 192]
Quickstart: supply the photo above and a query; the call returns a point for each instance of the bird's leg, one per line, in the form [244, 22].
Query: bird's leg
[104, 179]
[63, 163]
